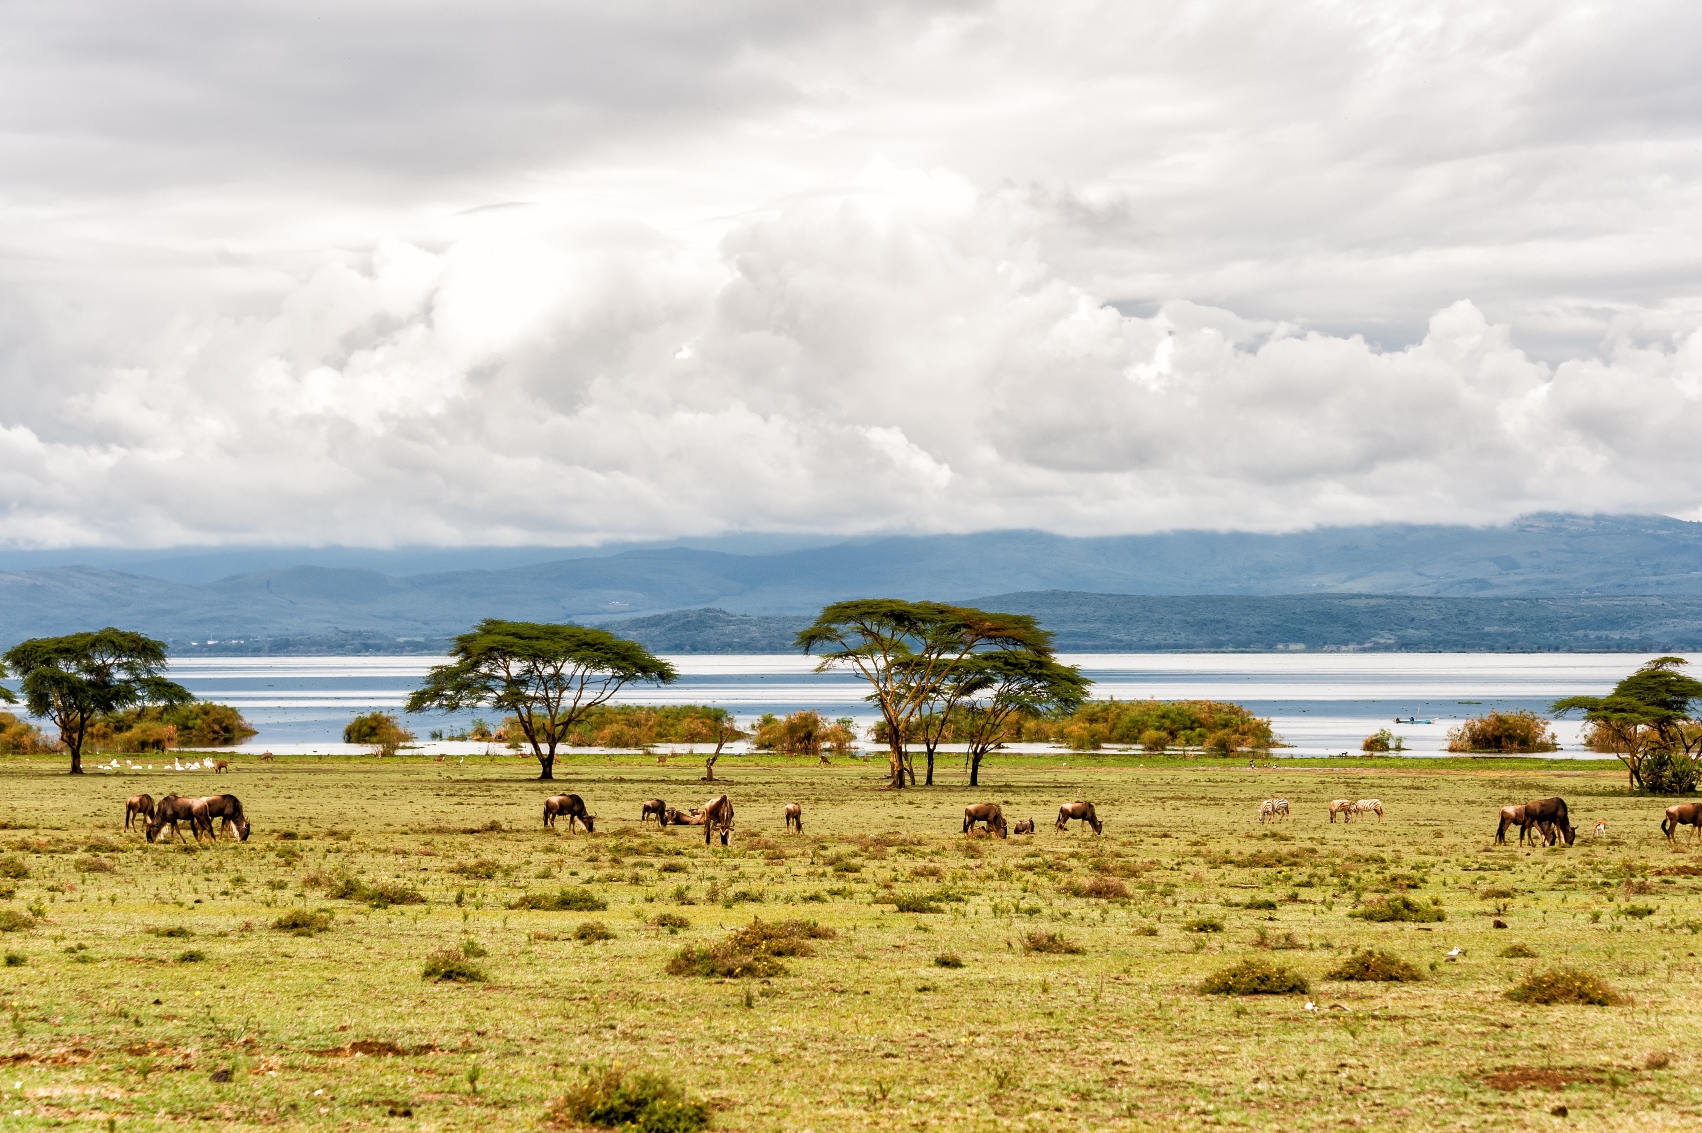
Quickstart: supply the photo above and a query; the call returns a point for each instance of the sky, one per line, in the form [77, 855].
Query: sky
[521, 273]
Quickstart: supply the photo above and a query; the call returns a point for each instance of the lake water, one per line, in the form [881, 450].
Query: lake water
[1320, 703]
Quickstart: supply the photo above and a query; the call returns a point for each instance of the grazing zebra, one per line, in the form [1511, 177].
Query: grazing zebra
[1367, 806]
[1271, 809]
[1343, 807]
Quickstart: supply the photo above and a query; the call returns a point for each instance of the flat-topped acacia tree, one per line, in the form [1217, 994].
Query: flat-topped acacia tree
[546, 675]
[77, 679]
[908, 651]
[994, 687]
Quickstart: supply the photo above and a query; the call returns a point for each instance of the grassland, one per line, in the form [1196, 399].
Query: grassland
[156, 972]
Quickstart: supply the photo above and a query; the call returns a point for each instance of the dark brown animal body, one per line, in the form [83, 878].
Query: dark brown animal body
[677, 817]
[1080, 810]
[227, 809]
[169, 811]
[220, 765]
[794, 815]
[1026, 826]
[573, 807]
[1552, 811]
[718, 817]
[1512, 816]
[1683, 814]
[138, 806]
[655, 807]
[988, 814]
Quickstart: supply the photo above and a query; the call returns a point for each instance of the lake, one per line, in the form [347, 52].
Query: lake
[1322, 703]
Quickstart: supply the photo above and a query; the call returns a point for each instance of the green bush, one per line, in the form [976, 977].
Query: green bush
[592, 931]
[670, 920]
[451, 966]
[1510, 733]
[1566, 985]
[482, 868]
[300, 922]
[12, 866]
[1051, 942]
[1518, 952]
[753, 951]
[16, 959]
[13, 921]
[1667, 773]
[579, 900]
[472, 949]
[948, 960]
[1399, 907]
[1204, 924]
[192, 956]
[1376, 967]
[636, 1101]
[916, 903]
[387, 893]
[1255, 977]
[175, 932]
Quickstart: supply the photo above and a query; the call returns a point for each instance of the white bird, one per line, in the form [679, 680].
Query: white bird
[1455, 954]
[1311, 1006]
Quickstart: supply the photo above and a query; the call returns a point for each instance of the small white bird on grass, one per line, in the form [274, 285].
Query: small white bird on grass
[1455, 954]
[1310, 1006]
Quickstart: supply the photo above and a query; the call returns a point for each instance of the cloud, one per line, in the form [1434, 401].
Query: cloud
[561, 273]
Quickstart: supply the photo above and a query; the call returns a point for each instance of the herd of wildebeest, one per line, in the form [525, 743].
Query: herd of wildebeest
[1544, 819]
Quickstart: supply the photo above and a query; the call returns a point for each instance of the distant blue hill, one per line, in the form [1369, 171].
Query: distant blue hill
[307, 606]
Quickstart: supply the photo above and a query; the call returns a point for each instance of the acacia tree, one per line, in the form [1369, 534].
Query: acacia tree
[1648, 712]
[907, 650]
[998, 686]
[78, 679]
[548, 676]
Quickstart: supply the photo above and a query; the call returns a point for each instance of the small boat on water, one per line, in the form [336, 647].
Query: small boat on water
[1413, 720]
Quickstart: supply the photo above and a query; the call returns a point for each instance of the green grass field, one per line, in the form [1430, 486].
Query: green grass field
[154, 990]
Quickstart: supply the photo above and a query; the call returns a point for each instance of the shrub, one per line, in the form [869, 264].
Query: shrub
[16, 959]
[1204, 924]
[12, 866]
[948, 960]
[1566, 985]
[670, 920]
[13, 921]
[640, 1101]
[472, 949]
[916, 903]
[1638, 912]
[1382, 740]
[383, 732]
[1154, 724]
[1518, 952]
[1106, 889]
[450, 965]
[592, 931]
[1399, 907]
[563, 901]
[1255, 977]
[482, 868]
[174, 932]
[191, 956]
[1666, 773]
[1259, 903]
[752, 951]
[385, 894]
[93, 864]
[1376, 967]
[300, 922]
[1051, 942]
[1511, 732]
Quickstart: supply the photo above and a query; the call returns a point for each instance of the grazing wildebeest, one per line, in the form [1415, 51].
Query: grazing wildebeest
[1367, 806]
[170, 811]
[1682, 814]
[227, 809]
[987, 813]
[573, 807]
[138, 806]
[718, 816]
[1343, 807]
[1024, 826]
[1554, 811]
[1512, 815]
[1081, 810]
[653, 807]
[794, 815]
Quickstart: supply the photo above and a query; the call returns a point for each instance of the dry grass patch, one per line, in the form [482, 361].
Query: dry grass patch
[1051, 942]
[452, 965]
[562, 901]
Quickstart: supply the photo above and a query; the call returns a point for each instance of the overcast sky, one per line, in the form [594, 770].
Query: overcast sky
[552, 272]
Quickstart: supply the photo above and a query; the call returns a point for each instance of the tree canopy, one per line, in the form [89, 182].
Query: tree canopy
[546, 675]
[994, 688]
[1649, 721]
[77, 679]
[907, 651]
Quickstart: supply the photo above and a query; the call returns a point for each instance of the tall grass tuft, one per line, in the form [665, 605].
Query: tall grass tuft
[1399, 907]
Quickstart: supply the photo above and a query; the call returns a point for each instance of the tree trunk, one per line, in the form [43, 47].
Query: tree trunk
[895, 756]
[930, 767]
[548, 763]
[77, 760]
[709, 769]
[975, 769]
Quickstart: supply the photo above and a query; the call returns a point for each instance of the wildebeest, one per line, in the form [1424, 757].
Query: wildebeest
[138, 806]
[1343, 807]
[674, 816]
[718, 816]
[988, 814]
[1024, 826]
[1081, 810]
[1554, 811]
[573, 807]
[227, 809]
[1512, 815]
[169, 811]
[794, 815]
[1368, 806]
[653, 807]
[1682, 814]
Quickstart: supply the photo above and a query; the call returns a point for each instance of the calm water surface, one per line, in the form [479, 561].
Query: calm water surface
[1321, 703]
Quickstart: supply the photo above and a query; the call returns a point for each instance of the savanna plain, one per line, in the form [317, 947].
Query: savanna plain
[903, 975]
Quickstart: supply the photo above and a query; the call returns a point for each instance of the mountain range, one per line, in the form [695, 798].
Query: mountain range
[1547, 581]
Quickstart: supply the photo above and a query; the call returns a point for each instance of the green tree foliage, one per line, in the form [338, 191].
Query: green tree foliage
[1156, 725]
[200, 723]
[633, 725]
[907, 651]
[1511, 733]
[1649, 721]
[803, 733]
[995, 690]
[378, 730]
[1383, 740]
[78, 679]
[549, 676]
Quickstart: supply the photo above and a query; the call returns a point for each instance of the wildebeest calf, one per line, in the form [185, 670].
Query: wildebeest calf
[138, 806]
[1078, 810]
[653, 807]
[573, 807]
[1024, 826]
[794, 815]
[988, 814]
